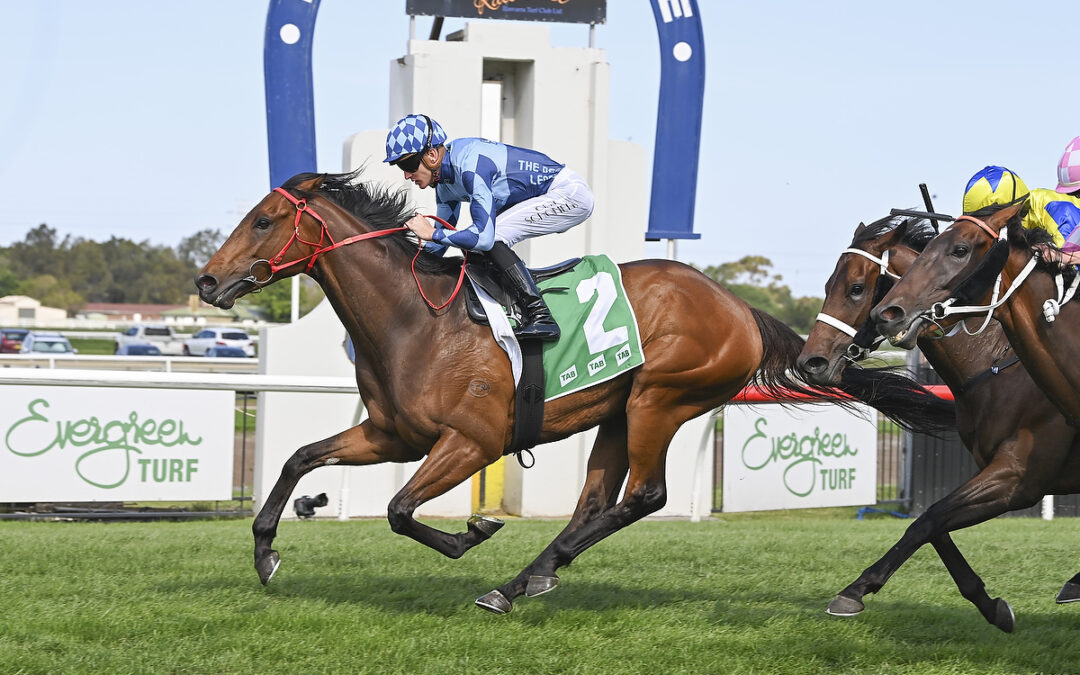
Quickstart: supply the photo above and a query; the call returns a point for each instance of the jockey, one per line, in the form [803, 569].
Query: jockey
[1058, 214]
[513, 194]
[1068, 184]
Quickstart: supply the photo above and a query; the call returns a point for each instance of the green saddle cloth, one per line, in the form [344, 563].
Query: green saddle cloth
[599, 330]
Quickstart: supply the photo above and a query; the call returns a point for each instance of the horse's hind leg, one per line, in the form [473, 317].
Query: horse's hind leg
[608, 464]
[1070, 592]
[646, 492]
[359, 445]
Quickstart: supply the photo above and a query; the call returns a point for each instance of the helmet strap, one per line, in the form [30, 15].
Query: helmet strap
[435, 166]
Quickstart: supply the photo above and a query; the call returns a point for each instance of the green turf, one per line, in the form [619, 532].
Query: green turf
[737, 594]
[94, 346]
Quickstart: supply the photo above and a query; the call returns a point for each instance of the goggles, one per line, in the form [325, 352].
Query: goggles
[410, 163]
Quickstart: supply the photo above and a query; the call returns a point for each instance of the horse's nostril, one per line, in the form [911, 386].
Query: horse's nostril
[814, 364]
[892, 313]
[205, 282]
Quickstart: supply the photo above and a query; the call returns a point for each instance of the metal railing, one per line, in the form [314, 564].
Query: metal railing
[168, 364]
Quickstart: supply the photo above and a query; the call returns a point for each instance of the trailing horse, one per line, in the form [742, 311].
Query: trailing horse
[1023, 451]
[986, 258]
[415, 366]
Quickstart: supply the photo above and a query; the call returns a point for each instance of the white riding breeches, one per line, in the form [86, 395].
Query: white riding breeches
[567, 202]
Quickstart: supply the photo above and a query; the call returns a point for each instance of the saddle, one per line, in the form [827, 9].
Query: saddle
[481, 272]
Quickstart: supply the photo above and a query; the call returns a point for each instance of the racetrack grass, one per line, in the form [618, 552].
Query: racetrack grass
[740, 593]
[92, 346]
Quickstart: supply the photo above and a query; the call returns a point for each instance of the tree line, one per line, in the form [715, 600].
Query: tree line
[70, 272]
[751, 278]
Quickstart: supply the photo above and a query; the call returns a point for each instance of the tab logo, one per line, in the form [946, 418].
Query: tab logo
[623, 355]
[596, 365]
[567, 376]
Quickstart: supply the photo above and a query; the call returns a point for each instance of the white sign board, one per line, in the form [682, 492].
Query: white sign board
[114, 444]
[798, 457]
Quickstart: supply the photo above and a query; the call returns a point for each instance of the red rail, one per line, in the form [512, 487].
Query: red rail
[757, 395]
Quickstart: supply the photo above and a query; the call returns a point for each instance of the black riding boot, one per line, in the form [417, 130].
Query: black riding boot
[536, 321]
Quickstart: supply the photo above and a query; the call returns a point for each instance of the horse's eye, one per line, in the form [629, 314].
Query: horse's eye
[960, 251]
[263, 223]
[856, 290]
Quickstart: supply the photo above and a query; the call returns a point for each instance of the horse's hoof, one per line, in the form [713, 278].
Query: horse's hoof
[267, 565]
[1070, 592]
[844, 606]
[540, 585]
[485, 525]
[1003, 616]
[494, 602]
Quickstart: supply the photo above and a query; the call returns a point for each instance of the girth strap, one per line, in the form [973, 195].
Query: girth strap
[992, 370]
[529, 401]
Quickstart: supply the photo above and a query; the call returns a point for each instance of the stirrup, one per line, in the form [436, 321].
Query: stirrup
[539, 329]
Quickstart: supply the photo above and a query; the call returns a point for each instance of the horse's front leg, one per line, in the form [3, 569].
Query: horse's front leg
[453, 459]
[360, 445]
[993, 491]
[608, 465]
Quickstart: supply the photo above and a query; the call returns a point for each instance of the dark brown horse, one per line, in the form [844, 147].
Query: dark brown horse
[415, 365]
[1023, 451]
[962, 266]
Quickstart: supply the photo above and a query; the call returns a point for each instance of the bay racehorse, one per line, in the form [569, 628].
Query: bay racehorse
[419, 369]
[986, 259]
[1023, 451]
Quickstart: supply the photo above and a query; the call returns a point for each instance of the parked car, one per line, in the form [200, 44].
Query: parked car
[222, 351]
[198, 344]
[138, 350]
[11, 340]
[160, 335]
[46, 343]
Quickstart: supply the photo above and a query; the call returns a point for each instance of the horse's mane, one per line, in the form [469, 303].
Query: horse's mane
[1025, 238]
[377, 206]
[1019, 236]
[919, 231]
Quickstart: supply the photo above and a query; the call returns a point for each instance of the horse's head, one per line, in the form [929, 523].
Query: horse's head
[864, 273]
[962, 263]
[281, 228]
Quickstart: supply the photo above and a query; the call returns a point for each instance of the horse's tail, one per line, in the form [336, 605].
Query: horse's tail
[900, 398]
[893, 394]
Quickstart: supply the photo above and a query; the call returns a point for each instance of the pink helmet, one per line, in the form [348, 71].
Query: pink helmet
[1069, 168]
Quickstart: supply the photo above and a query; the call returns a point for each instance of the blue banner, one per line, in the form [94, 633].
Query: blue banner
[678, 120]
[290, 101]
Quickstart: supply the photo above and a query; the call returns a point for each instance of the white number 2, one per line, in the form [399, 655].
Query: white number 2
[598, 339]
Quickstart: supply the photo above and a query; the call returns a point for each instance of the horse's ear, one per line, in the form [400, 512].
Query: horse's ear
[305, 182]
[859, 229]
[902, 228]
[311, 184]
[1014, 210]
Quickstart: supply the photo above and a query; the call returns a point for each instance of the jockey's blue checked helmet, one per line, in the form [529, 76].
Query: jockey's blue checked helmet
[413, 134]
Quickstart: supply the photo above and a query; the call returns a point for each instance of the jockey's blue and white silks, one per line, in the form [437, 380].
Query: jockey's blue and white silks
[492, 177]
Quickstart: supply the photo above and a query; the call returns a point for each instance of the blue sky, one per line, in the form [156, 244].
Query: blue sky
[145, 120]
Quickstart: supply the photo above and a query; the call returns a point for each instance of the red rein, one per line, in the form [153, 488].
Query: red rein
[324, 235]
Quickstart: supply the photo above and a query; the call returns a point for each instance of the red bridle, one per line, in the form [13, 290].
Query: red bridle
[275, 265]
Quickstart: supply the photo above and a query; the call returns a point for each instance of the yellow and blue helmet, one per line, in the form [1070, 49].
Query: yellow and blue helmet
[992, 185]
